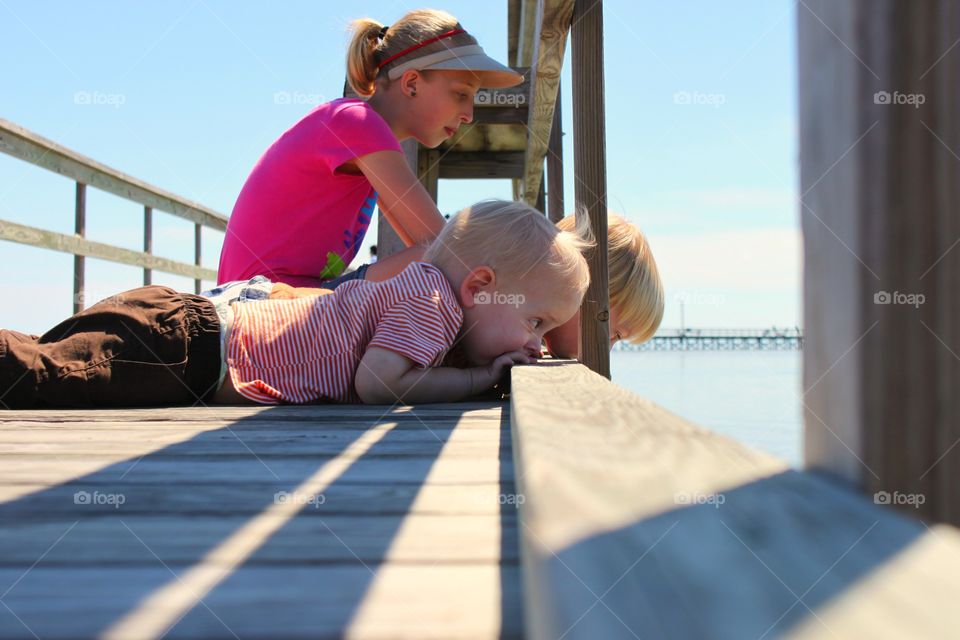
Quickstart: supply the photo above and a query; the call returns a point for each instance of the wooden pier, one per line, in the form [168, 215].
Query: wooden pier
[281, 522]
[574, 509]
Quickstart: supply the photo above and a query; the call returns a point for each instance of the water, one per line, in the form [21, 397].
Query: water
[751, 396]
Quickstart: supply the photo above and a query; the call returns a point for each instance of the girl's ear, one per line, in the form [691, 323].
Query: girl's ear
[477, 286]
[409, 81]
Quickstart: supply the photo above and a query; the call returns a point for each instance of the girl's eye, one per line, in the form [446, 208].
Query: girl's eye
[536, 322]
[464, 96]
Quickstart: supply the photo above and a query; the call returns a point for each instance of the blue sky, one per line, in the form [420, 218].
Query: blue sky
[700, 113]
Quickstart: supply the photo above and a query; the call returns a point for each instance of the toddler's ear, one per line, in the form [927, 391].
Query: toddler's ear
[474, 284]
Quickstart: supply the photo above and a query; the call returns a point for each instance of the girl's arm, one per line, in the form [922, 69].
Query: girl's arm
[406, 204]
[386, 377]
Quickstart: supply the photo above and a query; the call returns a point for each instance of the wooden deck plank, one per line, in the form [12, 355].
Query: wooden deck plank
[411, 535]
[399, 601]
[312, 537]
[283, 471]
[56, 501]
[682, 533]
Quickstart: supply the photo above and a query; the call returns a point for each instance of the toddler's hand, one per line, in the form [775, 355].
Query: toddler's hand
[486, 377]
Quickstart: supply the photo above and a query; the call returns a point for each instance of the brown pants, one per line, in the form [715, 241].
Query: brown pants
[147, 346]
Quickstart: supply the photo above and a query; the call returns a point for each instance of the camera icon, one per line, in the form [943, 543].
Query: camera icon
[881, 97]
[881, 497]
[681, 498]
[81, 497]
[281, 497]
[282, 97]
[481, 298]
[682, 97]
[882, 297]
[483, 97]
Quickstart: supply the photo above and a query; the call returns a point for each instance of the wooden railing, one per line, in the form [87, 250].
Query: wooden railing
[29, 147]
[635, 523]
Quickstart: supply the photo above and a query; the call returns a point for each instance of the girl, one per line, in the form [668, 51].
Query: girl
[304, 209]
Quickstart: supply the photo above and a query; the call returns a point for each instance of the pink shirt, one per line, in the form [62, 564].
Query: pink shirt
[297, 220]
[308, 349]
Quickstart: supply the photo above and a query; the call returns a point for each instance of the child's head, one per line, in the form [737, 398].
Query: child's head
[426, 67]
[515, 273]
[636, 292]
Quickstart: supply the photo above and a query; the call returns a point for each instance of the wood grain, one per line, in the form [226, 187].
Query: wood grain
[637, 523]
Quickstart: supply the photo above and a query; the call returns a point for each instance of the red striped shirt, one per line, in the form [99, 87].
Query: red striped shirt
[308, 349]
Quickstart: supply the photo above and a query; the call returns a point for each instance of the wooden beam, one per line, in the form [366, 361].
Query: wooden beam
[504, 164]
[545, 65]
[513, 30]
[667, 530]
[487, 137]
[879, 139]
[23, 234]
[528, 24]
[590, 169]
[30, 147]
[555, 209]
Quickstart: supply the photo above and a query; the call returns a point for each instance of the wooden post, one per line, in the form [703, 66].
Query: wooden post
[428, 170]
[590, 168]
[197, 283]
[388, 242]
[555, 165]
[879, 98]
[79, 266]
[147, 242]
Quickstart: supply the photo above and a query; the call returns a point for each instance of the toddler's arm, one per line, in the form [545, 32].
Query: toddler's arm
[386, 377]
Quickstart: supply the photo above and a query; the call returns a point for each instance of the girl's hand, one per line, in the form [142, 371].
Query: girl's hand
[484, 378]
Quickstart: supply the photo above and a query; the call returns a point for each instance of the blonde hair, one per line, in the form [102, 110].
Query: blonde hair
[513, 239]
[367, 49]
[634, 280]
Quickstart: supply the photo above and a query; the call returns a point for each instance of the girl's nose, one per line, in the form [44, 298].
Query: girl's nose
[467, 116]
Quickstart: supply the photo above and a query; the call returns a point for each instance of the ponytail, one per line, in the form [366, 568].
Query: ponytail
[362, 56]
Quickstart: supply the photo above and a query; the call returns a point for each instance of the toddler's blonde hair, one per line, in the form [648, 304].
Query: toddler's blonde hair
[367, 49]
[513, 239]
[634, 280]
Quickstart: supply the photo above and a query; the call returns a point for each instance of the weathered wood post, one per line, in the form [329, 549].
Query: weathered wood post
[79, 262]
[555, 165]
[590, 170]
[880, 178]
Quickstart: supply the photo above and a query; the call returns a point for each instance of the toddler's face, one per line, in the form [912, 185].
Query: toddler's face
[499, 318]
[564, 341]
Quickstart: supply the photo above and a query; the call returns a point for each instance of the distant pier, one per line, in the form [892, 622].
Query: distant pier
[771, 339]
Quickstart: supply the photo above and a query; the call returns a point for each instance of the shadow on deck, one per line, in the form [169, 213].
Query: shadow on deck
[270, 522]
